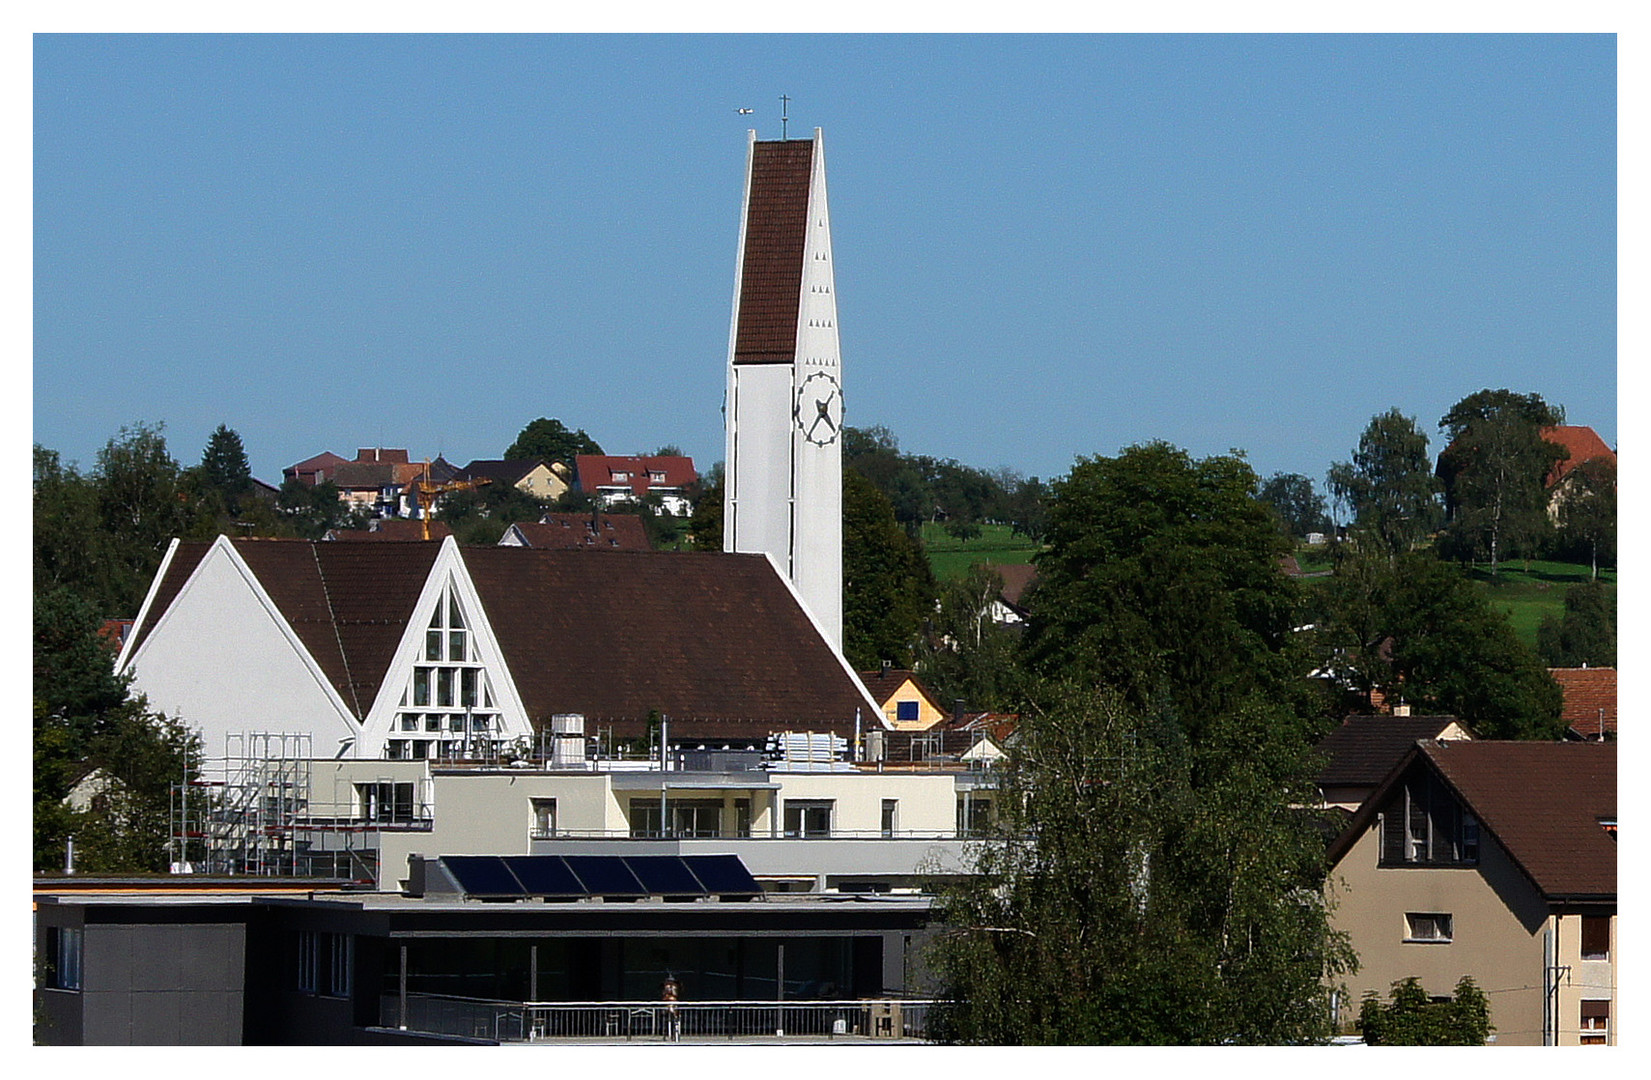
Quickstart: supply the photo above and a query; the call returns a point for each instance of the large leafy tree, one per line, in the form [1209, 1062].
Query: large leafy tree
[1161, 579]
[1586, 633]
[1143, 888]
[1588, 512]
[1389, 485]
[550, 440]
[888, 589]
[1417, 629]
[1300, 509]
[1494, 471]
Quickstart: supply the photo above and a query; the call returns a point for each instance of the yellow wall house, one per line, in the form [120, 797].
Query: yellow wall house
[1495, 860]
[907, 704]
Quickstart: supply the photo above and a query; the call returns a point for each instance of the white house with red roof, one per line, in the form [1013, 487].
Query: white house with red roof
[613, 479]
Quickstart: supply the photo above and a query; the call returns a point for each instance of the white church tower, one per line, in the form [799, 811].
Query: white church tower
[783, 484]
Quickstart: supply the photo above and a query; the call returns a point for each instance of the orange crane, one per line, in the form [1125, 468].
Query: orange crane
[427, 491]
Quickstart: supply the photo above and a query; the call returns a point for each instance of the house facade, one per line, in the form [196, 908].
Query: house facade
[906, 703]
[612, 479]
[1493, 860]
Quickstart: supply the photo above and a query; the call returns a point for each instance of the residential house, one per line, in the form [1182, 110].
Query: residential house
[1590, 708]
[1009, 607]
[314, 470]
[905, 703]
[611, 479]
[1583, 444]
[432, 650]
[586, 532]
[532, 476]
[1495, 860]
[1364, 749]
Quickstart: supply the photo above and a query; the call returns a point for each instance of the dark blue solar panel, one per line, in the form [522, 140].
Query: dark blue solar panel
[605, 875]
[544, 875]
[482, 875]
[664, 875]
[722, 875]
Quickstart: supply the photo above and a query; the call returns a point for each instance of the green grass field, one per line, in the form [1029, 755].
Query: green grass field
[1529, 591]
[950, 558]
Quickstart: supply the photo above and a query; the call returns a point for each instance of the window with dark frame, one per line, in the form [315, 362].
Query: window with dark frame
[1596, 1023]
[1423, 824]
[1430, 927]
[906, 712]
[1596, 937]
[808, 819]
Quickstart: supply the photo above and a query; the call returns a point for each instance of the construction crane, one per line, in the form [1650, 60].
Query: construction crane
[428, 491]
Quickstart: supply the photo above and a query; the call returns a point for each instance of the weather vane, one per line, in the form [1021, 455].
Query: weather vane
[785, 105]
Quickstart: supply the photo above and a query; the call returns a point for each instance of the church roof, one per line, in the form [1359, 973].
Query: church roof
[771, 273]
[714, 641]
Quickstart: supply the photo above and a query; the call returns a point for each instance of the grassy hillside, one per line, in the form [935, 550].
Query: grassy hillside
[1528, 591]
[950, 558]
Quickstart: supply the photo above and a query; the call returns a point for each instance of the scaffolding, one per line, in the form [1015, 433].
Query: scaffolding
[256, 811]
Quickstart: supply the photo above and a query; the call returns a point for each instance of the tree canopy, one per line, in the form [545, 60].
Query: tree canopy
[1161, 579]
[888, 589]
[1389, 485]
[1586, 633]
[1494, 471]
[1300, 509]
[1588, 512]
[1412, 1018]
[549, 441]
[1141, 888]
[1416, 629]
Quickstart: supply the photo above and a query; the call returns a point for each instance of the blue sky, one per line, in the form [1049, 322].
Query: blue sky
[1045, 246]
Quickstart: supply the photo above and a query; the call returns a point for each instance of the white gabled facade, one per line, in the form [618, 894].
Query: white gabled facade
[448, 681]
[223, 620]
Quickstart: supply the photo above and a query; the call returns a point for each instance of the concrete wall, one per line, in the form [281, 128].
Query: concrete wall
[1498, 922]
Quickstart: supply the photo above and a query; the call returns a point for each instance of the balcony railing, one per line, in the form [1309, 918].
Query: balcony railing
[642, 1021]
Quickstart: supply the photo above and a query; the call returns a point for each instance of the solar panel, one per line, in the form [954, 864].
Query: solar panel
[544, 875]
[482, 875]
[605, 875]
[664, 875]
[722, 875]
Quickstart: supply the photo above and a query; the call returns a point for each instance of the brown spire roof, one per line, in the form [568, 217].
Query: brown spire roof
[771, 276]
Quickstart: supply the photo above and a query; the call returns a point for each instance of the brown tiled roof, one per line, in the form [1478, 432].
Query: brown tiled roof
[326, 461]
[1590, 699]
[359, 476]
[884, 684]
[379, 455]
[596, 471]
[1584, 444]
[1364, 749]
[394, 530]
[1543, 802]
[715, 641]
[1017, 578]
[771, 275]
[348, 603]
[611, 532]
[505, 472]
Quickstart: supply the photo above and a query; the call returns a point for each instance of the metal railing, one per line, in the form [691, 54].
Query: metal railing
[633, 1021]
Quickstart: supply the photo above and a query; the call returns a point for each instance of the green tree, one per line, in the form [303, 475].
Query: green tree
[1143, 888]
[1586, 633]
[1418, 630]
[481, 515]
[1161, 579]
[224, 469]
[549, 441]
[888, 588]
[1494, 470]
[1300, 509]
[705, 523]
[1588, 512]
[1413, 1018]
[309, 511]
[1389, 485]
[965, 653]
[71, 550]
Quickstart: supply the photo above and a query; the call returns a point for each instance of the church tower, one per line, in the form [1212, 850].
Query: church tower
[783, 480]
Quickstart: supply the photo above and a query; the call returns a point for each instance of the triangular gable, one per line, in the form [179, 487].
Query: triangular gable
[398, 695]
[214, 615]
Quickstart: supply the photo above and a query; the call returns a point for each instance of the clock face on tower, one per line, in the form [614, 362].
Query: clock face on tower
[819, 409]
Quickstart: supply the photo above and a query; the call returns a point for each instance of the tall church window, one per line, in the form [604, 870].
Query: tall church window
[449, 693]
